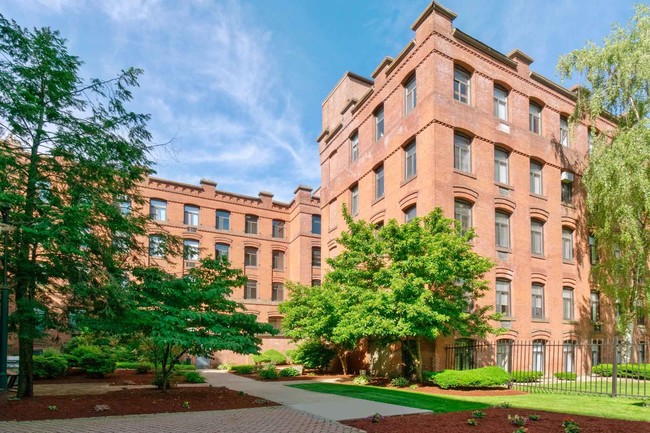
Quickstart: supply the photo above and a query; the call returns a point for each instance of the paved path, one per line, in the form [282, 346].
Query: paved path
[276, 419]
[329, 406]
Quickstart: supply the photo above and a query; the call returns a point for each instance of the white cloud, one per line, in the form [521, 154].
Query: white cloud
[129, 10]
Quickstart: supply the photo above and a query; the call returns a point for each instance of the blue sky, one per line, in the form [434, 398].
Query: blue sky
[237, 86]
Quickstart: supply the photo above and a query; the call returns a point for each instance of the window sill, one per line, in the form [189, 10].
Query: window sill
[538, 256]
[504, 250]
[569, 205]
[409, 180]
[377, 200]
[250, 267]
[504, 186]
[538, 196]
[278, 270]
[464, 173]
[540, 320]
[568, 262]
[222, 230]
[569, 322]
[507, 319]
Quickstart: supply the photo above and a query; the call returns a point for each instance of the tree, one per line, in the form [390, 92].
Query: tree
[70, 152]
[397, 283]
[173, 316]
[617, 178]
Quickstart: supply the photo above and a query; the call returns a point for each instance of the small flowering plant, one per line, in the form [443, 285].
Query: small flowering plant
[471, 421]
[570, 426]
[517, 420]
[375, 418]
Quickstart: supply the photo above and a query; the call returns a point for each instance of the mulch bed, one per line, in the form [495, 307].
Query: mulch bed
[496, 420]
[128, 402]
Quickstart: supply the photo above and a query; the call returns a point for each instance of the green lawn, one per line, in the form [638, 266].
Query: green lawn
[430, 402]
[601, 386]
[620, 408]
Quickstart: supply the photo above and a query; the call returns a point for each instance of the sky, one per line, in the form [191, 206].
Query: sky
[236, 87]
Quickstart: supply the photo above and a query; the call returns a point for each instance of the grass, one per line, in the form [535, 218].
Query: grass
[601, 386]
[417, 400]
[607, 407]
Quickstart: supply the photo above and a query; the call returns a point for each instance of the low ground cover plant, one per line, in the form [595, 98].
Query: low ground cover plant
[243, 369]
[399, 382]
[361, 379]
[268, 373]
[193, 377]
[224, 366]
[484, 377]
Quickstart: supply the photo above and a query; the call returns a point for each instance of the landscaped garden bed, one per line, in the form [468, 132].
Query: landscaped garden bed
[494, 420]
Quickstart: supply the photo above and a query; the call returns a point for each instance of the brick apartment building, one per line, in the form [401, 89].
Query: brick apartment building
[272, 242]
[453, 123]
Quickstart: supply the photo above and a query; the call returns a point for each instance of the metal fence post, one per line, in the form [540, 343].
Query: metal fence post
[614, 373]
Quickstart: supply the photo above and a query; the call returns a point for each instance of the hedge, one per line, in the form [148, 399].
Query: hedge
[476, 378]
[271, 355]
[96, 361]
[526, 376]
[243, 369]
[565, 375]
[50, 365]
[632, 371]
[289, 372]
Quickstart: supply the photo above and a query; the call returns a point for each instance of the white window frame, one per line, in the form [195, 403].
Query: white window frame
[410, 161]
[463, 214]
[158, 209]
[410, 95]
[536, 178]
[500, 102]
[410, 213]
[379, 182]
[501, 166]
[219, 251]
[277, 292]
[502, 229]
[462, 85]
[537, 237]
[191, 215]
[277, 229]
[251, 257]
[504, 298]
[567, 244]
[250, 290]
[191, 249]
[565, 139]
[539, 355]
[537, 301]
[354, 147]
[379, 124]
[222, 219]
[462, 153]
[568, 304]
[277, 260]
[535, 118]
[251, 226]
[354, 200]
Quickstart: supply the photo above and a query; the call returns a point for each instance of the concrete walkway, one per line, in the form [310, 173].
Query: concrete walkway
[328, 406]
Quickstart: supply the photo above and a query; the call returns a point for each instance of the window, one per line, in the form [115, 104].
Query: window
[276, 323]
[315, 224]
[463, 214]
[501, 170]
[191, 249]
[221, 250]
[564, 132]
[569, 355]
[641, 352]
[410, 161]
[124, 205]
[250, 257]
[640, 312]
[462, 153]
[251, 224]
[379, 182]
[464, 354]
[537, 237]
[596, 352]
[223, 220]
[250, 291]
[502, 229]
[537, 291]
[379, 124]
[315, 283]
[410, 99]
[567, 245]
[535, 118]
[503, 297]
[567, 303]
[594, 306]
[539, 347]
[593, 253]
[504, 354]
[354, 200]
[461, 85]
[191, 215]
[277, 230]
[156, 246]
[158, 210]
[315, 257]
[500, 102]
[567, 187]
[410, 213]
[354, 147]
[278, 260]
[277, 292]
[536, 178]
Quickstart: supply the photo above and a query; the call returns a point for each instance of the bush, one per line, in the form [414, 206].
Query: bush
[224, 366]
[526, 376]
[51, 364]
[399, 382]
[184, 367]
[94, 360]
[139, 367]
[289, 372]
[427, 376]
[631, 371]
[126, 365]
[268, 373]
[272, 356]
[361, 379]
[172, 382]
[291, 355]
[243, 369]
[565, 375]
[193, 377]
[476, 378]
[604, 370]
[312, 354]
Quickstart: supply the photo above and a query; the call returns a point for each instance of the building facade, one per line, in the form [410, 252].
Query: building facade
[271, 242]
[455, 124]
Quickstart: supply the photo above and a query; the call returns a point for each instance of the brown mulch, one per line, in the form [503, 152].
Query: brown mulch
[128, 402]
[472, 392]
[496, 420]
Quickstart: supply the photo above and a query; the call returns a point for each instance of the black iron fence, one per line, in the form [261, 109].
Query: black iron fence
[607, 367]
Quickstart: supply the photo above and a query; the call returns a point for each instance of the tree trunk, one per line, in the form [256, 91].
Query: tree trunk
[343, 359]
[26, 370]
[416, 356]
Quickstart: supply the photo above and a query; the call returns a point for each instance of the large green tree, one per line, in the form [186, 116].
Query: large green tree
[173, 316]
[401, 282]
[617, 179]
[70, 153]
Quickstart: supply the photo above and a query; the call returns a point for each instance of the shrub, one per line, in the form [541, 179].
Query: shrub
[399, 382]
[604, 370]
[243, 369]
[173, 380]
[291, 355]
[94, 360]
[565, 375]
[361, 379]
[184, 367]
[272, 356]
[313, 354]
[193, 377]
[143, 367]
[51, 364]
[268, 373]
[478, 414]
[427, 376]
[471, 421]
[224, 366]
[127, 365]
[477, 378]
[526, 376]
[289, 372]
